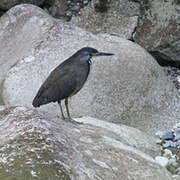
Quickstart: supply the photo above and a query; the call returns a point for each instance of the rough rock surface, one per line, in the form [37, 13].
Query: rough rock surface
[120, 18]
[7, 4]
[58, 8]
[158, 28]
[54, 149]
[22, 28]
[128, 88]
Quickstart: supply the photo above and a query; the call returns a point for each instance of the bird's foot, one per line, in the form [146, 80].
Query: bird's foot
[72, 121]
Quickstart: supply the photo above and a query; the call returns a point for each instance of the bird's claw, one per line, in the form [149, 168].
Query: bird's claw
[72, 121]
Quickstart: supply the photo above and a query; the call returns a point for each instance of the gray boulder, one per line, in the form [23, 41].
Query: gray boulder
[128, 88]
[120, 18]
[55, 149]
[23, 28]
[158, 28]
[7, 4]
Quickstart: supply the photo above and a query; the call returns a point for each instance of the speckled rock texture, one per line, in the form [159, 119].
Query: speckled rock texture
[54, 149]
[129, 87]
[120, 19]
[159, 29]
[22, 28]
[58, 8]
[7, 4]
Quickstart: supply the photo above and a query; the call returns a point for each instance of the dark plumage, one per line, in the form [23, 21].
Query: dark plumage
[67, 78]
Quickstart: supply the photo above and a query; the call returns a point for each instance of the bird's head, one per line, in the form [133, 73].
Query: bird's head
[89, 53]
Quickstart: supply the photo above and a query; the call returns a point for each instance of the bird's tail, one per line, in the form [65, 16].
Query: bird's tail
[38, 101]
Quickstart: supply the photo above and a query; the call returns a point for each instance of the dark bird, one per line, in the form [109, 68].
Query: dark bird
[67, 79]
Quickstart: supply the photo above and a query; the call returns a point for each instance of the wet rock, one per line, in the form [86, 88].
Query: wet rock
[54, 149]
[122, 89]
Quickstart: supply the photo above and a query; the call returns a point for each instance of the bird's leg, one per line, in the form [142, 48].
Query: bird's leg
[69, 116]
[67, 108]
[62, 114]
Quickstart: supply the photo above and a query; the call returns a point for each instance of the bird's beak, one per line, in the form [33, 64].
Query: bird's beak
[103, 54]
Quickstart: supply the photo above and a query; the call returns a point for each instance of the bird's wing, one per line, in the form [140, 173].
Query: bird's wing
[59, 85]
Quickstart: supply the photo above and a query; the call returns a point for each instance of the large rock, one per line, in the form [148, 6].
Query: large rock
[120, 19]
[158, 28]
[7, 4]
[128, 88]
[24, 30]
[55, 149]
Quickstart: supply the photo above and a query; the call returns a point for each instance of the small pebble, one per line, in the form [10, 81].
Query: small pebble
[158, 141]
[2, 108]
[69, 14]
[167, 136]
[177, 125]
[178, 144]
[169, 144]
[173, 144]
[178, 171]
[177, 134]
[68, 2]
[178, 79]
[167, 152]
[76, 8]
[173, 162]
[29, 59]
[175, 176]
[166, 144]
[170, 158]
[158, 134]
[163, 161]
[85, 2]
